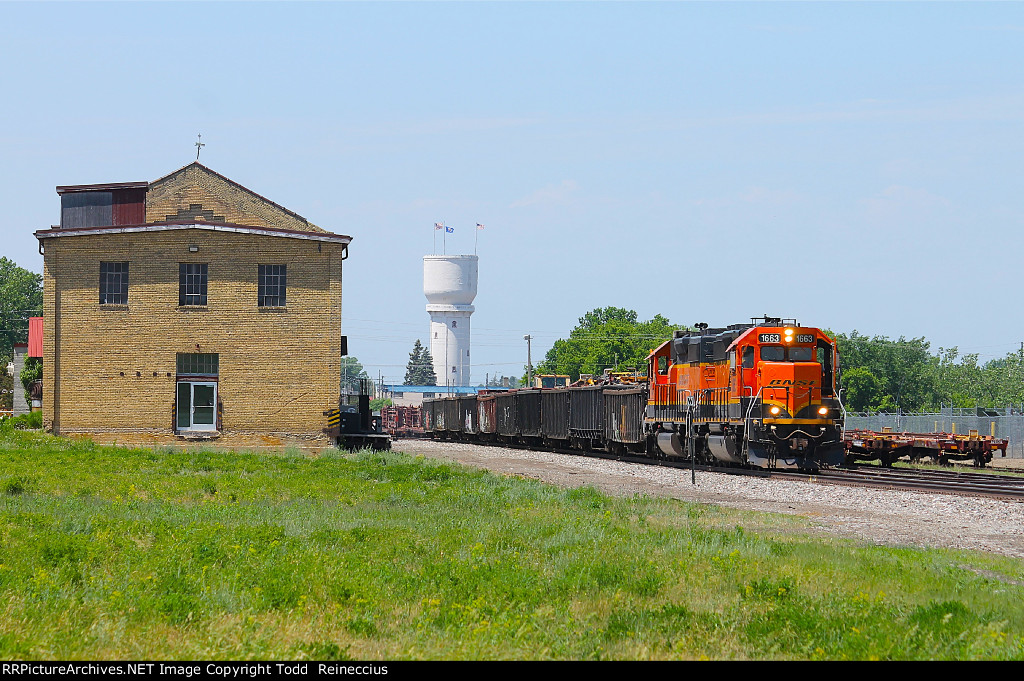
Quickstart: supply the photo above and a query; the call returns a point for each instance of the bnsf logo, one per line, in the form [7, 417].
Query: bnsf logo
[786, 381]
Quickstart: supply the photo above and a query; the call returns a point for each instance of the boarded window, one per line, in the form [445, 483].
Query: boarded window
[192, 279]
[86, 209]
[273, 282]
[113, 283]
[198, 364]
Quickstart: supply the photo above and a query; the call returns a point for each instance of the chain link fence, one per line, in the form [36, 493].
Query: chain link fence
[1007, 422]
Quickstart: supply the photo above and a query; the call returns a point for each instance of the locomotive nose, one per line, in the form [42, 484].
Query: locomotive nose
[792, 386]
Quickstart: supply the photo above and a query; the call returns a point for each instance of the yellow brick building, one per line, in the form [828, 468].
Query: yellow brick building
[189, 308]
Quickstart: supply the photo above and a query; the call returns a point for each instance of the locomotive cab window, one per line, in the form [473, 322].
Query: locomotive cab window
[824, 351]
[801, 354]
[748, 357]
[663, 365]
[773, 353]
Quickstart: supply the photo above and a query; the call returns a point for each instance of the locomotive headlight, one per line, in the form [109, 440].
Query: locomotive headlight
[789, 335]
[822, 410]
[774, 411]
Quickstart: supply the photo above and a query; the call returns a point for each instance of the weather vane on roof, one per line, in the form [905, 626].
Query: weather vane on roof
[199, 146]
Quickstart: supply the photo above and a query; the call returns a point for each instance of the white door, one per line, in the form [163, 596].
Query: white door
[197, 405]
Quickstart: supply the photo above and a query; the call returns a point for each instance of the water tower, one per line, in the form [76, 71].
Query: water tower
[449, 283]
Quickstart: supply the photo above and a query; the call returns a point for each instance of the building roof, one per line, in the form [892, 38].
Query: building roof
[196, 169]
[209, 226]
[107, 186]
[190, 195]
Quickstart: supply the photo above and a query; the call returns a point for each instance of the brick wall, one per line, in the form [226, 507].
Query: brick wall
[195, 192]
[279, 370]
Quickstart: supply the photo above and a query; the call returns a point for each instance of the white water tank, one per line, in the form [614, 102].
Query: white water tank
[449, 283]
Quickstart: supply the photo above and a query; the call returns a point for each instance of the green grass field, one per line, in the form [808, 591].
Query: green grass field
[111, 552]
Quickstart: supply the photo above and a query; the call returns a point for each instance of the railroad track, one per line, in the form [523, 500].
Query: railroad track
[937, 482]
[914, 480]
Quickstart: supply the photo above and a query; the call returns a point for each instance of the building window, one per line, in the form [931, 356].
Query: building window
[113, 283]
[198, 364]
[272, 285]
[192, 278]
[196, 403]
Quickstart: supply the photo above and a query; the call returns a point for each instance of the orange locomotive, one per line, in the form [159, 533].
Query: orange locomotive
[762, 394]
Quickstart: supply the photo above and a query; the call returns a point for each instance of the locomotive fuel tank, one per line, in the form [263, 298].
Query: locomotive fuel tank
[725, 449]
[670, 444]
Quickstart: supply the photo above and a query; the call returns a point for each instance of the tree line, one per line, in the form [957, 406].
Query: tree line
[884, 374]
[878, 373]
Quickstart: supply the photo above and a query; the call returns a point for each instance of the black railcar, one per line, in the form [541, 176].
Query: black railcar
[508, 426]
[554, 415]
[586, 414]
[528, 412]
[623, 418]
[487, 414]
[469, 418]
[452, 422]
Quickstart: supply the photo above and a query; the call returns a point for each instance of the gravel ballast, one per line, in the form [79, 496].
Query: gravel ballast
[881, 516]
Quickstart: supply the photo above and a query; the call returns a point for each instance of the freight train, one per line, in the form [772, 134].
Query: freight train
[762, 394]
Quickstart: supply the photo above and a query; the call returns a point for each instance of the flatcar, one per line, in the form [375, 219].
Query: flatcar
[762, 394]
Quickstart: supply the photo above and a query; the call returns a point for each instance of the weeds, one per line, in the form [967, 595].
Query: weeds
[108, 552]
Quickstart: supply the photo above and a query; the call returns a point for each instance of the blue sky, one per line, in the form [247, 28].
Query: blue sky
[857, 166]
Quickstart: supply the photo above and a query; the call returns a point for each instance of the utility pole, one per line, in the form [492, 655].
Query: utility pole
[529, 361]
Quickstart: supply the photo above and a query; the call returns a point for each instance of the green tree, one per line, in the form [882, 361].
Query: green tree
[30, 373]
[378, 403]
[420, 369]
[862, 389]
[21, 297]
[605, 338]
[904, 371]
[1004, 381]
[351, 372]
[7, 389]
[880, 374]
